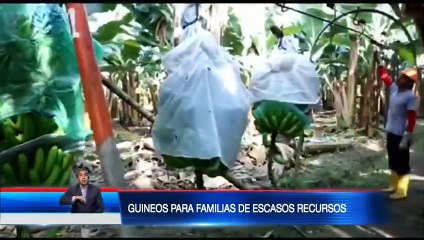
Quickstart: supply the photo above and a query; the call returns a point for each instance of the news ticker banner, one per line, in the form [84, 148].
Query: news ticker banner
[33, 206]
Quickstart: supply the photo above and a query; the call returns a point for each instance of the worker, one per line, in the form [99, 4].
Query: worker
[401, 120]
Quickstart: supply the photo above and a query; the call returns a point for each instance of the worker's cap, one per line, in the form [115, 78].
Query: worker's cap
[411, 73]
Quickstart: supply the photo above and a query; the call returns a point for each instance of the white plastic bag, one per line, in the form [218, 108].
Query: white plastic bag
[286, 76]
[203, 104]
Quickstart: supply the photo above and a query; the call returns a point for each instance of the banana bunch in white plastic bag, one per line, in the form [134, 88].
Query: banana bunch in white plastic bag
[286, 76]
[203, 104]
[284, 87]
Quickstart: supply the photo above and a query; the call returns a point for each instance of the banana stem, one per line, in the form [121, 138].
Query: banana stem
[199, 179]
[270, 156]
[298, 151]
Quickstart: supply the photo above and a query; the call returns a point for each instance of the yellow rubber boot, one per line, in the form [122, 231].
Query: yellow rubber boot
[401, 189]
[393, 183]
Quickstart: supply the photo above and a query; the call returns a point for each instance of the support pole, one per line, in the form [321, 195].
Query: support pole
[101, 122]
[200, 185]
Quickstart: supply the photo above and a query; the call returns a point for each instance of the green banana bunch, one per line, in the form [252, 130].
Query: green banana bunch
[44, 125]
[53, 169]
[23, 128]
[10, 135]
[278, 117]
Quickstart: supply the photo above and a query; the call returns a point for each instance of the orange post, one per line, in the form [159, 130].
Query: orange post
[91, 81]
[95, 101]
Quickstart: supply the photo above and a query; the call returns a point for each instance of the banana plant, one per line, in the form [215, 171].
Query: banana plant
[265, 41]
[156, 21]
[331, 49]
[234, 40]
[144, 33]
[233, 36]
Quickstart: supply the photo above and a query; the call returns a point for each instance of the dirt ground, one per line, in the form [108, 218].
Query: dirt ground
[407, 218]
[408, 215]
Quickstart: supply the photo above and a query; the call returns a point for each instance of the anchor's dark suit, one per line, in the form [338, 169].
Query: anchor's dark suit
[94, 200]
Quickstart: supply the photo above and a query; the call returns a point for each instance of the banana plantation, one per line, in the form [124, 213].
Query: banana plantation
[205, 96]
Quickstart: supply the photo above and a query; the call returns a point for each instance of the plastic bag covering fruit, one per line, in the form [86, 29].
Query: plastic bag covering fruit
[203, 104]
[286, 76]
[38, 66]
[283, 89]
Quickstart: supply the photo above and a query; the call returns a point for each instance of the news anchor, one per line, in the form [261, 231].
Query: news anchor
[84, 197]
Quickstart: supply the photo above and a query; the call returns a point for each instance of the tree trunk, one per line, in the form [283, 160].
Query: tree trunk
[383, 102]
[114, 109]
[154, 97]
[125, 114]
[416, 11]
[340, 101]
[351, 82]
[138, 96]
[374, 98]
[370, 117]
[133, 85]
[110, 100]
[364, 111]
